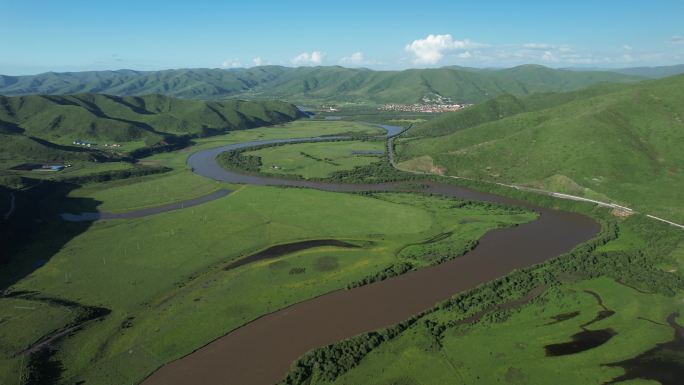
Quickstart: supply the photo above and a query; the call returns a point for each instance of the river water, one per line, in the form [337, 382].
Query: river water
[260, 352]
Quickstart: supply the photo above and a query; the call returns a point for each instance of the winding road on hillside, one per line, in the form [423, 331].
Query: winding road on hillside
[261, 351]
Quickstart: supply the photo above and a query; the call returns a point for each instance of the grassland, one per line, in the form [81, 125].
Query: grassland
[181, 183]
[318, 160]
[508, 348]
[620, 145]
[163, 277]
[485, 337]
[164, 283]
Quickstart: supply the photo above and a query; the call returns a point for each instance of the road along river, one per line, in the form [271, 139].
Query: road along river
[260, 352]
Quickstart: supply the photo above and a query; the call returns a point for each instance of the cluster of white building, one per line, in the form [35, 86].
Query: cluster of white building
[83, 143]
[428, 108]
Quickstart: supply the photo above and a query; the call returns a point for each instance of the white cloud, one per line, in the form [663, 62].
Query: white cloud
[356, 58]
[306, 58]
[465, 55]
[627, 47]
[231, 63]
[432, 49]
[549, 57]
[677, 39]
[539, 46]
[258, 61]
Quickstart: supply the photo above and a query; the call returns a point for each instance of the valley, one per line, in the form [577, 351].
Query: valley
[412, 223]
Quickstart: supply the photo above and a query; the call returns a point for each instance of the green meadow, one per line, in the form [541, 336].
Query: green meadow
[627, 285]
[318, 160]
[508, 348]
[180, 183]
[164, 279]
[169, 287]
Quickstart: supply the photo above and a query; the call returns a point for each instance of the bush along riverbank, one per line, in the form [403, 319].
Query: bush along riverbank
[633, 266]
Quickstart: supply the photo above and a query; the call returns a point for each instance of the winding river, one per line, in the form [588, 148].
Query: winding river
[260, 352]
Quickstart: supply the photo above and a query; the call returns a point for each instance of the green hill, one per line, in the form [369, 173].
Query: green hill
[42, 128]
[622, 144]
[62, 119]
[314, 84]
[506, 105]
[16, 149]
[653, 72]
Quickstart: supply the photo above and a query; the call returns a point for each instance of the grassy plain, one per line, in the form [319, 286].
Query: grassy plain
[318, 160]
[636, 274]
[163, 278]
[510, 349]
[181, 183]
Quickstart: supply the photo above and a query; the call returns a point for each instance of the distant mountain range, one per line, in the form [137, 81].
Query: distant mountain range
[647, 72]
[316, 84]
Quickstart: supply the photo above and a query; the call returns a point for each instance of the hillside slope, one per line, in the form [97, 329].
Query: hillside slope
[92, 117]
[315, 84]
[623, 145]
[42, 128]
[504, 106]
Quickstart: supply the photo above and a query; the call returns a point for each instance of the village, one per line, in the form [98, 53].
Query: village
[426, 108]
[84, 143]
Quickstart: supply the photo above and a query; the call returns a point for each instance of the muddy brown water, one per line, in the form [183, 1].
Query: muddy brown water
[261, 351]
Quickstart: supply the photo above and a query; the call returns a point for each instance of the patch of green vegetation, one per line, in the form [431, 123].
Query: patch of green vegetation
[135, 193]
[476, 337]
[317, 160]
[621, 145]
[508, 346]
[22, 323]
[181, 184]
[163, 278]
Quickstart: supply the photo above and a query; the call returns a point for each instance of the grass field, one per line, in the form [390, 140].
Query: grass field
[163, 278]
[318, 160]
[510, 349]
[181, 183]
[626, 288]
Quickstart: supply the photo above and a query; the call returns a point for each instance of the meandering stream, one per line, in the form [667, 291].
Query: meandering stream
[261, 351]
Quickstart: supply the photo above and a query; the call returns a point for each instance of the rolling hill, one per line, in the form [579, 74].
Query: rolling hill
[314, 84]
[43, 127]
[621, 144]
[653, 72]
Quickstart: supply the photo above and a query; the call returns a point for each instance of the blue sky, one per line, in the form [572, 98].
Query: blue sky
[71, 35]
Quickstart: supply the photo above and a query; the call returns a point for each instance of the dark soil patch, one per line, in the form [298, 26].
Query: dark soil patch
[563, 317]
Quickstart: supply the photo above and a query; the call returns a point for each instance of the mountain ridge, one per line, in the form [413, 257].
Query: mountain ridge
[322, 83]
